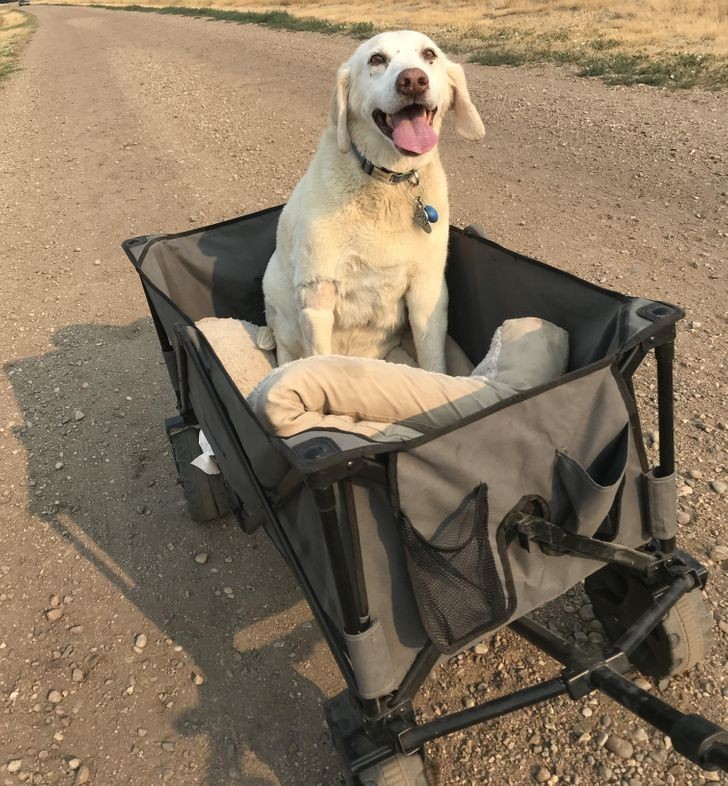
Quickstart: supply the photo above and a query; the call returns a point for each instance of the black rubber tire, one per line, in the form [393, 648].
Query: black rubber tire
[679, 642]
[206, 495]
[398, 770]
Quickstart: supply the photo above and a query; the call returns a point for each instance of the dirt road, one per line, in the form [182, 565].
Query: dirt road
[121, 124]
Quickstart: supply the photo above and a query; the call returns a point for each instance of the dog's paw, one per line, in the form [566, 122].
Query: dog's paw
[266, 338]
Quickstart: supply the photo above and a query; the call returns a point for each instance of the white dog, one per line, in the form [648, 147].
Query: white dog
[359, 247]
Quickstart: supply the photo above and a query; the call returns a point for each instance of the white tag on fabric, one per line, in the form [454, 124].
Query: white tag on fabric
[206, 461]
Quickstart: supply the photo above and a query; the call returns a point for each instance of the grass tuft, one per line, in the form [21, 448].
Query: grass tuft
[15, 26]
[278, 20]
[604, 58]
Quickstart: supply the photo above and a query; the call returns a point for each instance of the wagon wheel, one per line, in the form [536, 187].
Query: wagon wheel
[205, 495]
[398, 770]
[679, 641]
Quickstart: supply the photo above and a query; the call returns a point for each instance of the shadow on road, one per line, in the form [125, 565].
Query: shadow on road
[96, 404]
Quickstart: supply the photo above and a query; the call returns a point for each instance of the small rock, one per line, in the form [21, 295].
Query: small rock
[59, 465]
[202, 557]
[53, 615]
[55, 697]
[198, 679]
[582, 727]
[469, 701]
[542, 775]
[74, 763]
[55, 601]
[659, 756]
[140, 641]
[640, 735]
[78, 415]
[14, 765]
[142, 732]
[641, 682]
[718, 486]
[169, 746]
[601, 739]
[719, 553]
[82, 776]
[695, 474]
[619, 747]
[586, 613]
[481, 649]
[683, 517]
[77, 675]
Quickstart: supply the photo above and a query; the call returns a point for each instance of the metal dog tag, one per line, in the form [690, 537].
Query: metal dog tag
[421, 218]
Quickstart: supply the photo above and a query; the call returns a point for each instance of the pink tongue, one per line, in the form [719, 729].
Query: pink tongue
[413, 133]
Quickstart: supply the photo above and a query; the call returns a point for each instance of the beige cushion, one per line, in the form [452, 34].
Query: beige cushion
[235, 343]
[389, 402]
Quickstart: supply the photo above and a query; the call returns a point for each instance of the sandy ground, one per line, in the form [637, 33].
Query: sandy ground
[122, 124]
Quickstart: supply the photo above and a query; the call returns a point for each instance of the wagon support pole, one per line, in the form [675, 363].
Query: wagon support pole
[665, 357]
[352, 606]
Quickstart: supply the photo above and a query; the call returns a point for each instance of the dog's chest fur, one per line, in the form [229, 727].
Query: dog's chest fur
[369, 294]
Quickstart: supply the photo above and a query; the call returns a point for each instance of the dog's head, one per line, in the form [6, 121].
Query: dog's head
[391, 97]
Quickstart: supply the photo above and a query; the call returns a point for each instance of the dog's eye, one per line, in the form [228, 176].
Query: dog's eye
[429, 54]
[377, 59]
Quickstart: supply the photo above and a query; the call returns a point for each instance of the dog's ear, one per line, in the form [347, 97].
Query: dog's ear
[339, 106]
[468, 124]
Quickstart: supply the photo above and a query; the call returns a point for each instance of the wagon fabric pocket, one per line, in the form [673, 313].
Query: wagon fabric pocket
[585, 499]
[460, 574]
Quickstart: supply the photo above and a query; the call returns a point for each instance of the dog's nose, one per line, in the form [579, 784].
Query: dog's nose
[412, 82]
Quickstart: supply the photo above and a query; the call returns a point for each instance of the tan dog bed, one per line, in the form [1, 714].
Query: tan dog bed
[382, 400]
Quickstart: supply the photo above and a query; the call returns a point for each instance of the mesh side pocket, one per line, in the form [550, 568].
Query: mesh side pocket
[457, 585]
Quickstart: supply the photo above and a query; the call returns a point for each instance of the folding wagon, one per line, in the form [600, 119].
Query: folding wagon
[411, 552]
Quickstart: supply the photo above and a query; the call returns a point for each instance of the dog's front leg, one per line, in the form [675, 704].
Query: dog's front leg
[317, 301]
[427, 307]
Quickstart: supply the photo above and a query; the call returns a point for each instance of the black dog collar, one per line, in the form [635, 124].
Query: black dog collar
[385, 175]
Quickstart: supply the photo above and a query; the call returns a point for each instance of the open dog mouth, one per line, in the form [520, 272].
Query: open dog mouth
[410, 129]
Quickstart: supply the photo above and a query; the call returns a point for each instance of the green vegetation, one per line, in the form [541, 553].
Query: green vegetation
[15, 26]
[604, 58]
[280, 20]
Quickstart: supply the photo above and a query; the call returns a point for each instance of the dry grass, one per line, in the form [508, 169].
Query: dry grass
[666, 24]
[663, 42]
[14, 29]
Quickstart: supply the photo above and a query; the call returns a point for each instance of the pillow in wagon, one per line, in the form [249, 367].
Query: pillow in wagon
[391, 402]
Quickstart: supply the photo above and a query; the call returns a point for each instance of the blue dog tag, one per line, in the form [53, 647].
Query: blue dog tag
[431, 214]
